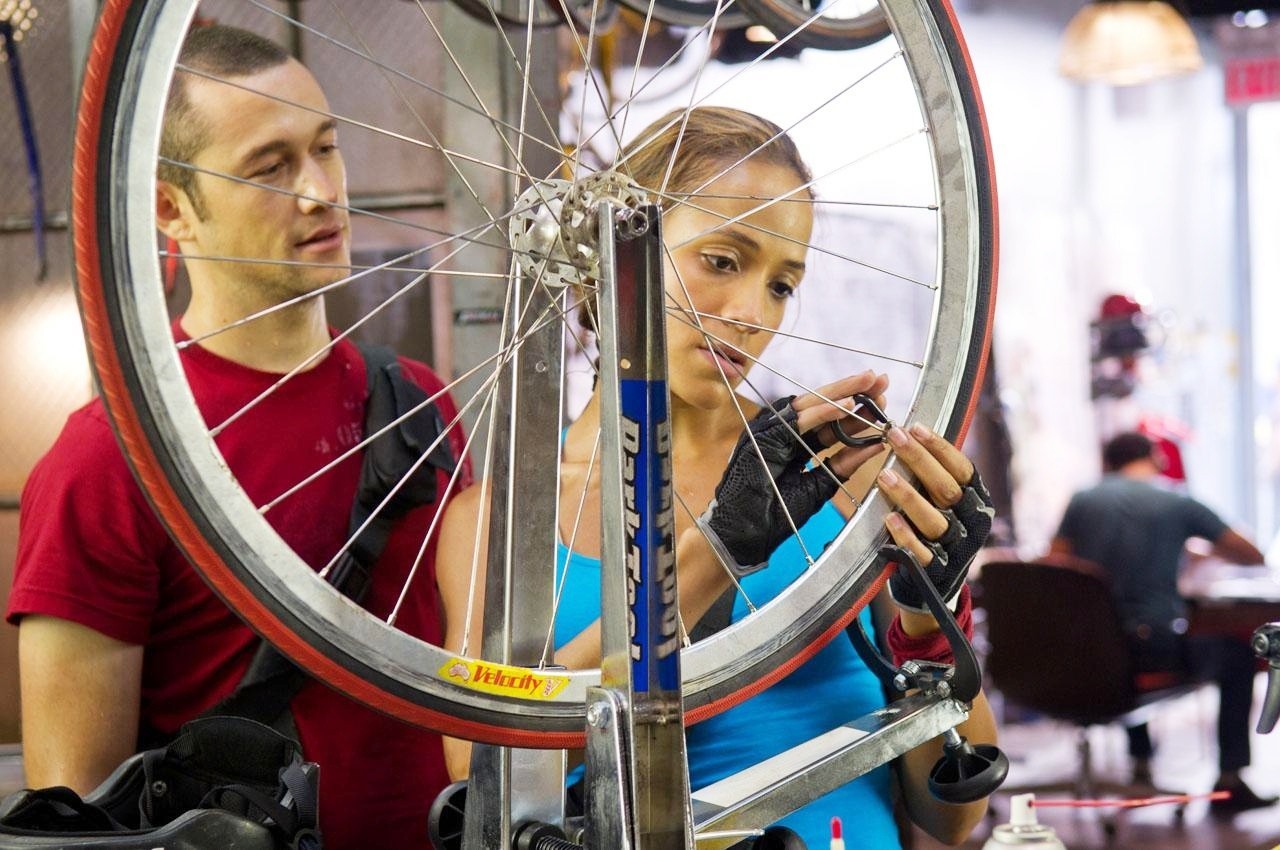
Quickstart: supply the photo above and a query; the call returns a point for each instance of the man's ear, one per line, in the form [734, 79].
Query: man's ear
[173, 212]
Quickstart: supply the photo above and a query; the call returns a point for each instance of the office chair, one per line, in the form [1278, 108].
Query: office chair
[1058, 648]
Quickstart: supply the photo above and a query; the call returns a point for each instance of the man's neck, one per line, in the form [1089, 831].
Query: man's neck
[1140, 470]
[279, 341]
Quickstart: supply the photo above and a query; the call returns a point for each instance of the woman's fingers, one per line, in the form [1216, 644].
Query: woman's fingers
[941, 470]
[847, 461]
[923, 514]
[905, 536]
[816, 409]
[939, 466]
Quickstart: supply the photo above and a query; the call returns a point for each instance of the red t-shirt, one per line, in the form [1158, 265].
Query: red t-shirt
[91, 550]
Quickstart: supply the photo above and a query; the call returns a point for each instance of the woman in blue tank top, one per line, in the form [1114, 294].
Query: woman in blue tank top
[734, 259]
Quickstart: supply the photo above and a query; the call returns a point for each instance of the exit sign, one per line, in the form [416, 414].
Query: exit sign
[1252, 80]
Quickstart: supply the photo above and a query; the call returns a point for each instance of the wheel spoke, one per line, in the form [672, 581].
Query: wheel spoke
[680, 311]
[742, 416]
[368, 57]
[343, 119]
[548, 647]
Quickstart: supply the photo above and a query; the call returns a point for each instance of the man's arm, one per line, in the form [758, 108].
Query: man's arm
[1232, 546]
[81, 693]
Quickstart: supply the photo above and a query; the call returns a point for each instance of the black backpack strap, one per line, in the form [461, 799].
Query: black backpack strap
[269, 684]
[264, 692]
[406, 449]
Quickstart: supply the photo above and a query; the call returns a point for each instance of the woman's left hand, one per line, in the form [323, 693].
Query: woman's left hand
[780, 472]
[943, 521]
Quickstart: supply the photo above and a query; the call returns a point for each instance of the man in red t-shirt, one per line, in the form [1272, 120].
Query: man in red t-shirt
[116, 630]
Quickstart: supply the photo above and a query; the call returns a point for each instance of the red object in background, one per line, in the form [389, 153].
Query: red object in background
[1166, 435]
[1120, 329]
[1117, 305]
[1251, 79]
[1117, 336]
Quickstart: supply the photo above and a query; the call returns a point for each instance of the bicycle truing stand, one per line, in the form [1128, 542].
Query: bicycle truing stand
[637, 787]
[1266, 645]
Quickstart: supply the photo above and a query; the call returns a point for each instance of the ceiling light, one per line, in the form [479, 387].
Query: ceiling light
[1125, 42]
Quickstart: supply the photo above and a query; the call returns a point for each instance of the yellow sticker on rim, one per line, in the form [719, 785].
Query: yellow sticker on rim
[502, 680]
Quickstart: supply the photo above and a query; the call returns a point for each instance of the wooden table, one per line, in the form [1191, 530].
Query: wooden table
[1230, 599]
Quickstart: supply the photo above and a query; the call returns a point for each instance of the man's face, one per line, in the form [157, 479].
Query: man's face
[271, 133]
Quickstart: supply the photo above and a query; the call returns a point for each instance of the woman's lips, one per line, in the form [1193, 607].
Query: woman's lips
[714, 357]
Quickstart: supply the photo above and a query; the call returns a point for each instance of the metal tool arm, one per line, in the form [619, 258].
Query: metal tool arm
[1266, 645]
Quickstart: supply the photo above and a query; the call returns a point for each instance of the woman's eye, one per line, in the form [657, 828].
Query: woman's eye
[782, 289]
[721, 262]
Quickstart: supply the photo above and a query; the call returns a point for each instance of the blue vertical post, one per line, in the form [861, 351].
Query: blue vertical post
[637, 776]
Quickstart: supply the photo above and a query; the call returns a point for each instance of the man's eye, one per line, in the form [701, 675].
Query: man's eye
[782, 289]
[328, 149]
[269, 170]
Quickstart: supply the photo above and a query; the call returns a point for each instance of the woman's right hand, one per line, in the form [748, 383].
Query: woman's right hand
[781, 473]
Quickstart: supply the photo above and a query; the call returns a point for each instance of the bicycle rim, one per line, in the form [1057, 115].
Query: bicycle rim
[837, 25]
[691, 13]
[118, 278]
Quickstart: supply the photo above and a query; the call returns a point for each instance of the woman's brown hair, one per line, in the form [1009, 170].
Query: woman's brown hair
[710, 141]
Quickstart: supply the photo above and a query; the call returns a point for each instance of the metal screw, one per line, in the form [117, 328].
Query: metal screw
[597, 717]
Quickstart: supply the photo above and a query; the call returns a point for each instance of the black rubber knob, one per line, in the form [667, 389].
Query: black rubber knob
[445, 821]
[966, 773]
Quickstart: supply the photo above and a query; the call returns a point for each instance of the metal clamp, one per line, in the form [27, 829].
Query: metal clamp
[877, 418]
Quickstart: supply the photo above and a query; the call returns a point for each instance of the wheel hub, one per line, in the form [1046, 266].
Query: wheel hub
[554, 231]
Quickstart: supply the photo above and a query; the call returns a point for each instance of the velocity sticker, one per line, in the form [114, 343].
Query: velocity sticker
[501, 680]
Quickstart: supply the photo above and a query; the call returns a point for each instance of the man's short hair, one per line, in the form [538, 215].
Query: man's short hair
[1123, 449]
[219, 51]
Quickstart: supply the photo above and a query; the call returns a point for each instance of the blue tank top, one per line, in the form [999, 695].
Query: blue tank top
[828, 690]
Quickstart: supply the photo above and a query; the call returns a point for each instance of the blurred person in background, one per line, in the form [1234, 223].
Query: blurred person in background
[1135, 525]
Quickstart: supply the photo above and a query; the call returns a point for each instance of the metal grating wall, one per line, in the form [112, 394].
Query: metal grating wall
[45, 373]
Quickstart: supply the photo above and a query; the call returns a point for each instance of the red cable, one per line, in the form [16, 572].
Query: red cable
[1133, 803]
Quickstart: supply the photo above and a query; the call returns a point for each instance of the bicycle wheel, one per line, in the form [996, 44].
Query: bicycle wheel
[942, 211]
[837, 25]
[584, 16]
[692, 13]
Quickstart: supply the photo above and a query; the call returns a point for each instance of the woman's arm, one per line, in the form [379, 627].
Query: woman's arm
[947, 480]
[948, 823]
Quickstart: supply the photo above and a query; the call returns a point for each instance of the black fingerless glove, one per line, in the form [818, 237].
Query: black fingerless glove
[746, 520]
[968, 524]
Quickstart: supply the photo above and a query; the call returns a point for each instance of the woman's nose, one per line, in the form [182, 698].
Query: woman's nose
[745, 309]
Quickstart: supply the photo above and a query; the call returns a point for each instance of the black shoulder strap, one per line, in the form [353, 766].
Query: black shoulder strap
[392, 461]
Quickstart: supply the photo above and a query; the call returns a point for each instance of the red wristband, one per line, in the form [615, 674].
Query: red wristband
[933, 646]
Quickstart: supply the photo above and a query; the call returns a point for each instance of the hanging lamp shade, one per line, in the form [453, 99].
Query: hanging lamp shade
[1126, 42]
